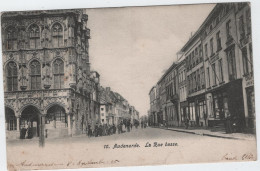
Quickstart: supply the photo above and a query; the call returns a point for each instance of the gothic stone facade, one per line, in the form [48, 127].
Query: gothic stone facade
[47, 80]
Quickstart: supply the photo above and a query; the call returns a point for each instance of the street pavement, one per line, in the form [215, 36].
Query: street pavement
[185, 148]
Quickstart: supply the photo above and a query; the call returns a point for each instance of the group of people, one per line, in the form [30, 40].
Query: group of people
[143, 124]
[108, 129]
[26, 132]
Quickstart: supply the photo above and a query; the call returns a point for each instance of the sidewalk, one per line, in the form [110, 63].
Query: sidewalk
[219, 134]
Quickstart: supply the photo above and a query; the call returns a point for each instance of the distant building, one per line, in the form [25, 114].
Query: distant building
[153, 112]
[114, 108]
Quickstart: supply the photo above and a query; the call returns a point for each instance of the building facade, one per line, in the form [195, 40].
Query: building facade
[153, 112]
[192, 51]
[182, 84]
[218, 63]
[48, 85]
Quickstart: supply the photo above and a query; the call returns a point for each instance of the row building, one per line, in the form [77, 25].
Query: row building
[213, 74]
[114, 108]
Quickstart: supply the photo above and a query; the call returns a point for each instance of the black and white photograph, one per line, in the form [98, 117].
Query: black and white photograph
[128, 86]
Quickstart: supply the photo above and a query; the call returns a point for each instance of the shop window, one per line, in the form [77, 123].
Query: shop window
[11, 76]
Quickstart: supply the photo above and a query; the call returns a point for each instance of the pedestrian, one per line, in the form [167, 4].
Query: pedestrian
[228, 122]
[121, 126]
[187, 121]
[100, 130]
[205, 117]
[96, 130]
[114, 129]
[89, 130]
[131, 125]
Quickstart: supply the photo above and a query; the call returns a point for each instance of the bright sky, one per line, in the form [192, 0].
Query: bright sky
[132, 47]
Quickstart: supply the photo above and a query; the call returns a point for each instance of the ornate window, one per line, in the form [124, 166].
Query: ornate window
[57, 35]
[11, 38]
[58, 73]
[35, 67]
[11, 75]
[34, 35]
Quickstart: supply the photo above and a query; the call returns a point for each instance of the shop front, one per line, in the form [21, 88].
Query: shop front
[197, 110]
[184, 107]
[224, 99]
[250, 102]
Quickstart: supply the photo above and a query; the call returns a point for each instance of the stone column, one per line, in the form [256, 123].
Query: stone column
[69, 125]
[18, 123]
[42, 131]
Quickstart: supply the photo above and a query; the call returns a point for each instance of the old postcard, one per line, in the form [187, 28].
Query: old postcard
[132, 86]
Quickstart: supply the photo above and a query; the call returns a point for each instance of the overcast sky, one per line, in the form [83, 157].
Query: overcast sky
[132, 47]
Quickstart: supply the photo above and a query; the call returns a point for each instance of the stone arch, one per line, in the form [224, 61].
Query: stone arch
[33, 23]
[56, 117]
[27, 105]
[57, 57]
[10, 119]
[30, 119]
[54, 104]
[55, 22]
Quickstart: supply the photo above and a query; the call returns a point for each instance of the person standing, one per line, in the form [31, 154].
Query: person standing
[228, 122]
[89, 130]
[96, 130]
[205, 117]
[187, 121]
